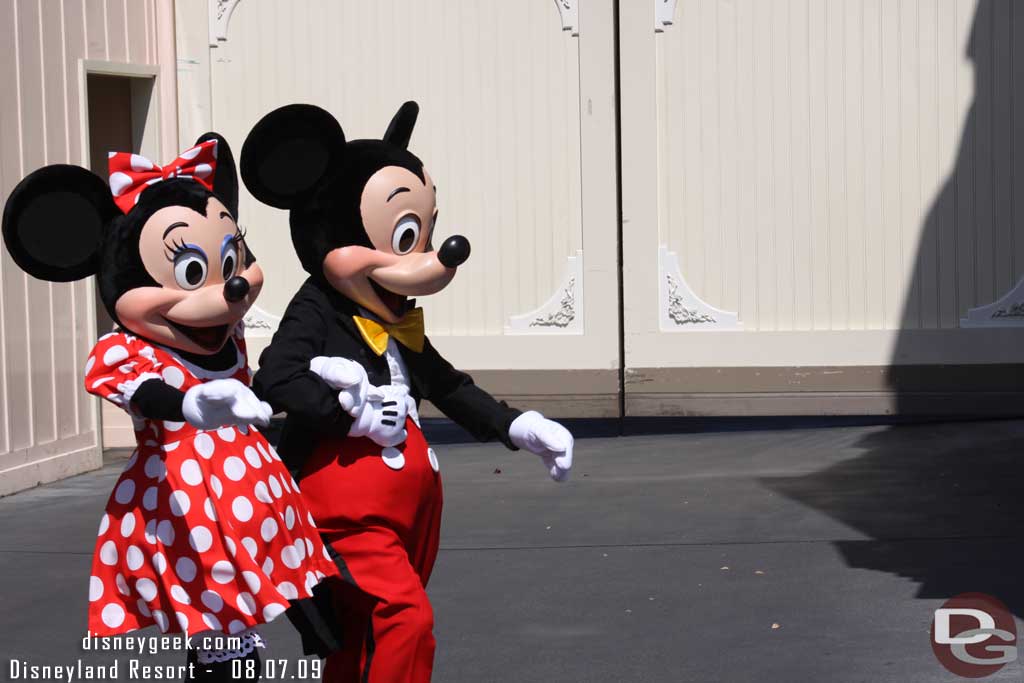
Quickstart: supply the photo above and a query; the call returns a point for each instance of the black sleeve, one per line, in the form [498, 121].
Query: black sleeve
[284, 379]
[455, 395]
[157, 400]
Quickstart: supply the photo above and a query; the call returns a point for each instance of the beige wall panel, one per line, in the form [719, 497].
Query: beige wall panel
[49, 427]
[500, 87]
[840, 167]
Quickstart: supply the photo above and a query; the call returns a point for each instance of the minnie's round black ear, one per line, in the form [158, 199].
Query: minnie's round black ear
[289, 152]
[400, 129]
[54, 220]
[225, 178]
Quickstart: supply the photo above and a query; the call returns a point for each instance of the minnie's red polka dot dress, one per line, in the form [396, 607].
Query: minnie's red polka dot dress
[205, 530]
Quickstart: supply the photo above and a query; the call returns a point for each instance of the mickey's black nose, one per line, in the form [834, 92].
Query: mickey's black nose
[454, 251]
[236, 288]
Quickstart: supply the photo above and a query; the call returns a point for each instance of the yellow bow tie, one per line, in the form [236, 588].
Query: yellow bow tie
[408, 331]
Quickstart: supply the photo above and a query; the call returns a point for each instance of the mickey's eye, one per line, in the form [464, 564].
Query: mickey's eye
[229, 261]
[406, 235]
[190, 269]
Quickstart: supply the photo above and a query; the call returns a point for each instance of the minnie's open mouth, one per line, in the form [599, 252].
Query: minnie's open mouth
[396, 303]
[210, 338]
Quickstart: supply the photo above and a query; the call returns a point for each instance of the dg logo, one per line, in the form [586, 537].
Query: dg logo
[973, 635]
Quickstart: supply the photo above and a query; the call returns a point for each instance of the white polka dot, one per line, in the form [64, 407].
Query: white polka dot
[202, 170]
[141, 163]
[253, 457]
[112, 615]
[108, 554]
[284, 480]
[242, 509]
[150, 532]
[310, 582]
[309, 518]
[204, 445]
[232, 548]
[165, 532]
[275, 486]
[190, 472]
[261, 493]
[114, 355]
[263, 451]
[154, 467]
[179, 594]
[200, 539]
[212, 600]
[211, 621]
[215, 484]
[268, 529]
[234, 468]
[160, 563]
[128, 524]
[250, 546]
[192, 152]
[143, 608]
[432, 457]
[288, 590]
[226, 434]
[252, 580]
[180, 503]
[122, 585]
[185, 568]
[182, 621]
[132, 460]
[309, 548]
[172, 426]
[161, 620]
[101, 381]
[223, 571]
[290, 557]
[88, 365]
[149, 498]
[246, 604]
[134, 558]
[104, 525]
[273, 453]
[168, 447]
[268, 566]
[272, 611]
[236, 626]
[173, 376]
[289, 517]
[210, 511]
[393, 458]
[146, 588]
[327, 554]
[125, 492]
[95, 588]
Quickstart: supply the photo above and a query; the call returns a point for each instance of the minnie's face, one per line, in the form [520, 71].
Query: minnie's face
[205, 286]
[399, 212]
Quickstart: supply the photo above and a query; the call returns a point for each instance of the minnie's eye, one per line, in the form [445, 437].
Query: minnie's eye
[190, 270]
[406, 235]
[229, 262]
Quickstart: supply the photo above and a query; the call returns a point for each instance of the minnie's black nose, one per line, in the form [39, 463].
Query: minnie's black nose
[454, 251]
[236, 288]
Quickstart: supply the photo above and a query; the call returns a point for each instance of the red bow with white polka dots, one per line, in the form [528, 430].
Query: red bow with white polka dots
[130, 174]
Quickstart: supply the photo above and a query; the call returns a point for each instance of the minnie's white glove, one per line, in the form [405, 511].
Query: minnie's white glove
[347, 376]
[222, 402]
[381, 417]
[533, 432]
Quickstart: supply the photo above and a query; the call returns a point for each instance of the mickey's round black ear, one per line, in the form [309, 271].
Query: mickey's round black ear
[289, 152]
[400, 129]
[225, 178]
[54, 220]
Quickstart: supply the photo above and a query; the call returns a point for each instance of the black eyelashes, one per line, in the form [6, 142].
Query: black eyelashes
[176, 249]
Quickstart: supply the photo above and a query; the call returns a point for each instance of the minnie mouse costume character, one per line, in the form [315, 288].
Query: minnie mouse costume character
[350, 363]
[205, 529]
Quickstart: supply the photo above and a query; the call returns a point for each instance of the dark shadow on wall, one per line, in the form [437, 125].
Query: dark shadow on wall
[943, 504]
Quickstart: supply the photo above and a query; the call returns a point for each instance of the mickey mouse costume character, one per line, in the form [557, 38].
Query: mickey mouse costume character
[205, 529]
[350, 363]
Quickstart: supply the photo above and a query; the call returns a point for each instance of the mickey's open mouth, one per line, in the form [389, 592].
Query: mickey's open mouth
[396, 303]
[210, 338]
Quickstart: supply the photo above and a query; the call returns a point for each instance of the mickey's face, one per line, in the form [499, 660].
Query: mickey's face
[398, 211]
[204, 286]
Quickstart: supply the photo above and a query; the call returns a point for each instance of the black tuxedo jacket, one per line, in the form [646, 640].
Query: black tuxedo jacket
[318, 322]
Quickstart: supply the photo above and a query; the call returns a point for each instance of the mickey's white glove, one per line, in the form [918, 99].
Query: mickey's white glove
[345, 375]
[533, 432]
[381, 417]
[222, 402]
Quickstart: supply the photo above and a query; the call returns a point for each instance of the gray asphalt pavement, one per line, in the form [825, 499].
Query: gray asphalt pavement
[797, 555]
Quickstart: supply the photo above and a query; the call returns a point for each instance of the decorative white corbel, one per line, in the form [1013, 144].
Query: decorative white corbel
[679, 308]
[562, 313]
[259, 323]
[569, 10]
[664, 14]
[1007, 311]
[220, 15]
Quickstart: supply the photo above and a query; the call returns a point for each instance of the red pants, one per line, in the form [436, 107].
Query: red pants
[385, 524]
